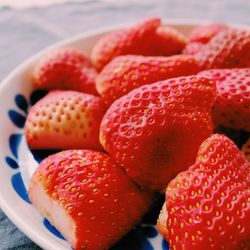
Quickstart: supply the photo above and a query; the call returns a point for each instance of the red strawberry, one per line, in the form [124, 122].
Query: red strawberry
[246, 150]
[146, 38]
[126, 73]
[168, 41]
[232, 106]
[228, 49]
[208, 206]
[65, 119]
[148, 129]
[87, 197]
[192, 48]
[204, 33]
[65, 68]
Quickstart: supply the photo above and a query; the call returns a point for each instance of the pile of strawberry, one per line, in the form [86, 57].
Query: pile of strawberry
[142, 117]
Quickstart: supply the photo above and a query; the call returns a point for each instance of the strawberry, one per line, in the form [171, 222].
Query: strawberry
[168, 41]
[87, 197]
[65, 68]
[227, 49]
[208, 206]
[148, 129]
[146, 38]
[246, 149]
[232, 106]
[192, 48]
[204, 33]
[65, 119]
[125, 73]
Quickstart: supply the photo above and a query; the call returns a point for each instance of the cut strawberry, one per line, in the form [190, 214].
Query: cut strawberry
[148, 129]
[227, 49]
[204, 33]
[126, 73]
[246, 150]
[65, 68]
[88, 198]
[232, 106]
[207, 206]
[147, 38]
[63, 120]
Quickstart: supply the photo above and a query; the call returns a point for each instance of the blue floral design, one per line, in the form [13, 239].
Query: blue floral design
[19, 187]
[17, 118]
[22, 103]
[11, 162]
[52, 229]
[14, 141]
[149, 231]
[137, 239]
[165, 245]
[134, 240]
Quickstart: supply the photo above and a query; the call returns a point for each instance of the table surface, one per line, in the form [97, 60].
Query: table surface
[24, 32]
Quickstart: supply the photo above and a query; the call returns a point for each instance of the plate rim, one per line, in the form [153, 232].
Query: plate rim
[7, 209]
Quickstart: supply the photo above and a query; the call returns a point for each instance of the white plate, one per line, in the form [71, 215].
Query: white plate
[17, 162]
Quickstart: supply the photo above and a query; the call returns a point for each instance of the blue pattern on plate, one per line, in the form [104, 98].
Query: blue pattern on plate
[137, 239]
[165, 245]
[21, 103]
[52, 229]
[17, 118]
[134, 240]
[11, 162]
[149, 231]
[14, 142]
[17, 183]
[37, 95]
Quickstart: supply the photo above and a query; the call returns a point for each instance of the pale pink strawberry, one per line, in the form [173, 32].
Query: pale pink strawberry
[63, 120]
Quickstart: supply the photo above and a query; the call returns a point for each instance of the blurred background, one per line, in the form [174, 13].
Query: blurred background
[27, 26]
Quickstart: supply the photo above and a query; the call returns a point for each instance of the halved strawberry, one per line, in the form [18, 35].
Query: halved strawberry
[88, 198]
[148, 129]
[146, 38]
[246, 150]
[125, 73]
[208, 206]
[204, 33]
[65, 68]
[232, 106]
[227, 49]
[63, 120]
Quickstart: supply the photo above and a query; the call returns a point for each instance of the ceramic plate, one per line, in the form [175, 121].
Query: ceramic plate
[18, 163]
